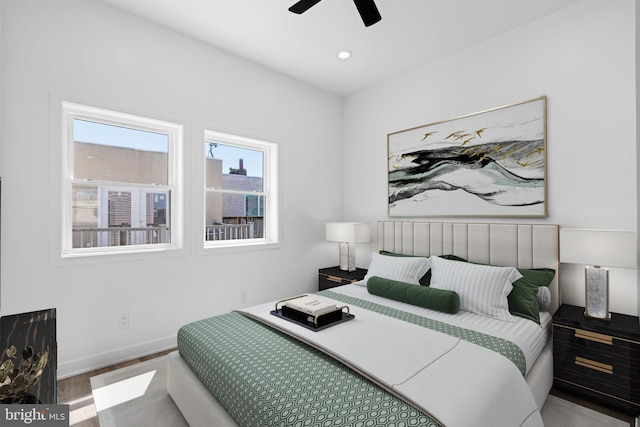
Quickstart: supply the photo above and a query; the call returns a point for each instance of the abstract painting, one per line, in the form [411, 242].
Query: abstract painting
[491, 163]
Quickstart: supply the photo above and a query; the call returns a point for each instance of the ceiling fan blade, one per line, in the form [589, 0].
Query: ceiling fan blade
[368, 11]
[303, 5]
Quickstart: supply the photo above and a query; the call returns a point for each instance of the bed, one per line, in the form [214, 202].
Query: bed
[267, 373]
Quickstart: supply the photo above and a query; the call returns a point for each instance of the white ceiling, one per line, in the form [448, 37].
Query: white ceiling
[412, 33]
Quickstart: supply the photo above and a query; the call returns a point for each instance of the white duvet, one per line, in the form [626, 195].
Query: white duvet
[527, 335]
[454, 381]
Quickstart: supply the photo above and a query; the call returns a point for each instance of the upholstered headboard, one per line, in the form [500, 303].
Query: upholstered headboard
[517, 245]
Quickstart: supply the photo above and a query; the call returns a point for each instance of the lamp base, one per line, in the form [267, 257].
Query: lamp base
[347, 257]
[597, 292]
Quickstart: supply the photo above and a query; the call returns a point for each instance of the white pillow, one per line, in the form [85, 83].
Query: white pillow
[402, 269]
[483, 289]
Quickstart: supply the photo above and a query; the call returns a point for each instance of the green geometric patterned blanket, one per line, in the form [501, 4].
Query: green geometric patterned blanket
[266, 378]
[502, 346]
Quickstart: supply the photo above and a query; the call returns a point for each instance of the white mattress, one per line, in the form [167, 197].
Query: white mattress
[526, 334]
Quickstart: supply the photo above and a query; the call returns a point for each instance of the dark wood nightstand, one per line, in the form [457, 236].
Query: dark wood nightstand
[598, 360]
[332, 276]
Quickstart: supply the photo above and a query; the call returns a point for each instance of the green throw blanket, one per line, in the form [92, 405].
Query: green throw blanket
[266, 378]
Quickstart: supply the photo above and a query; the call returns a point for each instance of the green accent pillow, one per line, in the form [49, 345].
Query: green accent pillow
[523, 299]
[422, 296]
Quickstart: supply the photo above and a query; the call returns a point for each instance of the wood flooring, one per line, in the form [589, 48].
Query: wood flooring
[76, 392]
[591, 405]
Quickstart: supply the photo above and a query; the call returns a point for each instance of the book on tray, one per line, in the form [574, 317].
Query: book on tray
[310, 305]
[311, 311]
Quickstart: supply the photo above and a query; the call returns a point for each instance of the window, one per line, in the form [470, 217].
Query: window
[240, 191]
[121, 182]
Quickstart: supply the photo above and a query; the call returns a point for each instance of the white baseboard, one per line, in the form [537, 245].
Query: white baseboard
[90, 363]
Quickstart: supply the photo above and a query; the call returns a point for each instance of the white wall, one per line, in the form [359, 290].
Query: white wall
[85, 51]
[583, 59]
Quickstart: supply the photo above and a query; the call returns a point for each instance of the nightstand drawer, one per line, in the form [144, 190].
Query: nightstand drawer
[599, 364]
[332, 276]
[328, 281]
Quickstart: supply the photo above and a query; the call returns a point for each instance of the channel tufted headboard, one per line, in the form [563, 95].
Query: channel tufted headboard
[517, 245]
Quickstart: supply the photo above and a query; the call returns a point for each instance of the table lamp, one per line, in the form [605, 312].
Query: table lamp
[598, 249]
[347, 233]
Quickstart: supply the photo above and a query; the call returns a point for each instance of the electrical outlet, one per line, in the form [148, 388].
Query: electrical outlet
[124, 320]
[243, 296]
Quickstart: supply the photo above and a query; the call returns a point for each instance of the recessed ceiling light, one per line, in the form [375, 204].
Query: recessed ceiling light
[345, 54]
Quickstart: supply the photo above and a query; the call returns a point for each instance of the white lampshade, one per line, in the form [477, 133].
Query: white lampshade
[350, 232]
[608, 248]
[347, 233]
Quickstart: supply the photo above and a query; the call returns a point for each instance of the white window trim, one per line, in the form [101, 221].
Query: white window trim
[71, 111]
[270, 193]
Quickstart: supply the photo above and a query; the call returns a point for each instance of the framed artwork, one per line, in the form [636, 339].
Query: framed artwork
[491, 163]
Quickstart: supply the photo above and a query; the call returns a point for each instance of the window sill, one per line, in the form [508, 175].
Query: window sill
[79, 258]
[227, 246]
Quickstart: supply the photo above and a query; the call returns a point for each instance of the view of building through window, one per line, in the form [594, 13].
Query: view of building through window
[120, 189]
[123, 180]
[235, 193]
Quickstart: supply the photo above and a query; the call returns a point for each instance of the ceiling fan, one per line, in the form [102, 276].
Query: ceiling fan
[367, 9]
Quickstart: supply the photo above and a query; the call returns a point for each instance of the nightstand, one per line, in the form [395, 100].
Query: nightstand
[598, 360]
[332, 276]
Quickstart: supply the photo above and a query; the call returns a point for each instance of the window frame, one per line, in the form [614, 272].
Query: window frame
[175, 133]
[271, 237]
